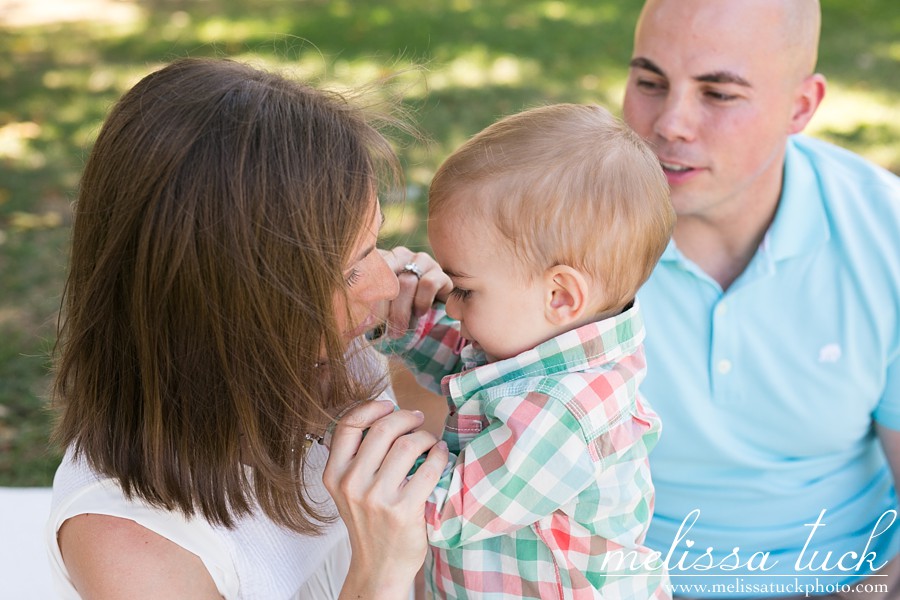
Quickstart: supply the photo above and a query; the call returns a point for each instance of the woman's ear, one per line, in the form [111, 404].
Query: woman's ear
[567, 293]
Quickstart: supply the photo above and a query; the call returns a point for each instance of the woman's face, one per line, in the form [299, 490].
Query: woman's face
[369, 281]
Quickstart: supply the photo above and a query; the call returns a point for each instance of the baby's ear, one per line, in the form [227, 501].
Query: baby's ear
[566, 295]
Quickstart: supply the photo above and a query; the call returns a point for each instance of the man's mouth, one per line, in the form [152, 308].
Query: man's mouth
[674, 168]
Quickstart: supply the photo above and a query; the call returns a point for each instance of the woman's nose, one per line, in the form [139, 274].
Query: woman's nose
[389, 284]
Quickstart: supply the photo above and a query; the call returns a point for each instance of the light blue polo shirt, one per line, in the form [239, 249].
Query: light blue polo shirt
[768, 391]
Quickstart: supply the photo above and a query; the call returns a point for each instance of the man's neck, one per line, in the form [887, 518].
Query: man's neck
[719, 254]
[723, 244]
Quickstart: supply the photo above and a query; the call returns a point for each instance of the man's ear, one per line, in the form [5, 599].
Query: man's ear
[808, 97]
[566, 295]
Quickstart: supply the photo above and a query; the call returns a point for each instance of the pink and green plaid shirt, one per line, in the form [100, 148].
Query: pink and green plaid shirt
[549, 495]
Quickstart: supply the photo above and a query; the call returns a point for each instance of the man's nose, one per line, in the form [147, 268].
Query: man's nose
[678, 119]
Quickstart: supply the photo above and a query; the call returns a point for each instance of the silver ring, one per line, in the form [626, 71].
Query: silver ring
[413, 268]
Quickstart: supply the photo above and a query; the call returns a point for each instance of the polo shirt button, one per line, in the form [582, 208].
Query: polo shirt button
[724, 366]
[721, 309]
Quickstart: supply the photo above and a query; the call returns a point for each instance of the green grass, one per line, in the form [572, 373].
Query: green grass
[462, 64]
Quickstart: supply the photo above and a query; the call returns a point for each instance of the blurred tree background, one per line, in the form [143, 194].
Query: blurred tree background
[461, 64]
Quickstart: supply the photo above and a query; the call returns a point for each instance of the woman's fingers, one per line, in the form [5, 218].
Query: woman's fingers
[363, 438]
[434, 285]
[421, 283]
[396, 257]
[348, 435]
[381, 438]
[402, 455]
[426, 477]
[369, 451]
[431, 283]
[401, 317]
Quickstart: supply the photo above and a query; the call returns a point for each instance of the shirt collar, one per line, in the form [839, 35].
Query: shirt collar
[800, 223]
[589, 346]
[671, 253]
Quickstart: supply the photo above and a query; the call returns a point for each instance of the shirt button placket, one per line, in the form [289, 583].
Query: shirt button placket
[723, 350]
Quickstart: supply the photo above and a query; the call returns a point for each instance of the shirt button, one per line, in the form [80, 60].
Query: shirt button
[721, 309]
[724, 366]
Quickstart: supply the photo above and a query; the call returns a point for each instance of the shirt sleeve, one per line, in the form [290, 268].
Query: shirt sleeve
[887, 412]
[529, 461]
[430, 350]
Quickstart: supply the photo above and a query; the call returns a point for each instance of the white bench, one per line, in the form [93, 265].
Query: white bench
[24, 566]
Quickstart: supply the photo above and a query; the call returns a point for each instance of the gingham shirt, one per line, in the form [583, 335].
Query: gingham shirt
[550, 495]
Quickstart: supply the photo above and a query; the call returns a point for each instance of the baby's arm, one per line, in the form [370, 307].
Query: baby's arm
[431, 350]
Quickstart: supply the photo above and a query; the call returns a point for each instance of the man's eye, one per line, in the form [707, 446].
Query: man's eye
[649, 85]
[720, 96]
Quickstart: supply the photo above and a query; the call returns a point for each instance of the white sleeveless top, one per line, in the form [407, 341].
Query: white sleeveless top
[256, 559]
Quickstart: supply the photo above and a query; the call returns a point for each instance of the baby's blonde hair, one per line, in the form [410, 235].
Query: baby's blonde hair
[565, 184]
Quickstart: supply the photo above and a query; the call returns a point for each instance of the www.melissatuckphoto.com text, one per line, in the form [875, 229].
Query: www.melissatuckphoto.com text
[787, 587]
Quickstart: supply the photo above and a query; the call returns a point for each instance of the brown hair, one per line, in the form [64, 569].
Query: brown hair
[215, 218]
[565, 184]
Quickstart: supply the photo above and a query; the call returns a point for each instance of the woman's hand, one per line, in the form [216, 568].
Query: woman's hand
[383, 510]
[419, 288]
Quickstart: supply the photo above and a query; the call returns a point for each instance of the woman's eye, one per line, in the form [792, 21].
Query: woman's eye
[352, 277]
[460, 293]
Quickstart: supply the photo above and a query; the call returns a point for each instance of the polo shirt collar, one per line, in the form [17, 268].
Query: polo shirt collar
[800, 224]
[671, 253]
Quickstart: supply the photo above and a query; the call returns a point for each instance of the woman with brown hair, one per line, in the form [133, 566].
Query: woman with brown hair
[223, 266]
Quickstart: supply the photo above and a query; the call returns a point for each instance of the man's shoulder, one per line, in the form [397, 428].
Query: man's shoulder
[838, 166]
[856, 194]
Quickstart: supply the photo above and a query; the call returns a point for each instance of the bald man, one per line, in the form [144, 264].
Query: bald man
[773, 318]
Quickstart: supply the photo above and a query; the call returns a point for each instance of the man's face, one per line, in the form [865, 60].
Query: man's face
[712, 90]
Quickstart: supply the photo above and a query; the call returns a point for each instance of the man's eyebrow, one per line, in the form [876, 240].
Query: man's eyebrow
[640, 62]
[723, 77]
[714, 77]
